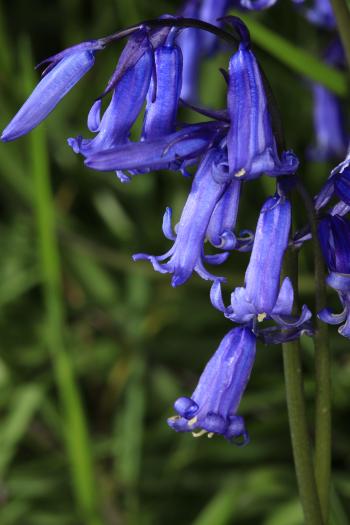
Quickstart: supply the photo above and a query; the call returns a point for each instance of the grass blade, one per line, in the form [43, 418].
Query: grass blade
[75, 427]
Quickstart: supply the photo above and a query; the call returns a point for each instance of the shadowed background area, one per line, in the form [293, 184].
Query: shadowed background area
[92, 362]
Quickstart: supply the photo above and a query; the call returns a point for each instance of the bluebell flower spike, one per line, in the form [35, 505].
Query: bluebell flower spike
[212, 408]
[67, 69]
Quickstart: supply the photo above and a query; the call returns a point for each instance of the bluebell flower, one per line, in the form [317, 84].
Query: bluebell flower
[329, 126]
[337, 184]
[262, 297]
[221, 228]
[127, 100]
[334, 235]
[213, 406]
[164, 92]
[328, 114]
[195, 44]
[172, 151]
[211, 11]
[64, 70]
[251, 144]
[190, 43]
[187, 253]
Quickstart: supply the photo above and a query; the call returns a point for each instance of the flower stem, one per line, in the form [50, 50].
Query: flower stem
[299, 433]
[342, 15]
[301, 445]
[180, 22]
[323, 420]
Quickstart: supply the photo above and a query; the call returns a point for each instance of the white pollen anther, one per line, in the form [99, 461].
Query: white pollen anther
[261, 317]
[199, 434]
[240, 173]
[192, 421]
[210, 435]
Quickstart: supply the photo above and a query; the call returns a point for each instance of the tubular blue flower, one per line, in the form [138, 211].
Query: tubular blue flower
[168, 152]
[196, 44]
[211, 11]
[212, 408]
[190, 43]
[126, 103]
[328, 125]
[64, 70]
[220, 231]
[262, 297]
[338, 184]
[329, 119]
[164, 93]
[262, 278]
[334, 235]
[251, 144]
[187, 252]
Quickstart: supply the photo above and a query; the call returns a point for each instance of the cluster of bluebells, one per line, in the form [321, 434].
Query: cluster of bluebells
[331, 137]
[233, 147]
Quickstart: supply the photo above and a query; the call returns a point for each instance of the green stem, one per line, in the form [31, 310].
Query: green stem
[342, 15]
[302, 451]
[299, 433]
[323, 420]
[74, 424]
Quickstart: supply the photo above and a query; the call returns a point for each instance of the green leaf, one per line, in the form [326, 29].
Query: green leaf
[22, 409]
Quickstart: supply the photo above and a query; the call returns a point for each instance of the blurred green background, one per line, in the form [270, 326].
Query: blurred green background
[95, 348]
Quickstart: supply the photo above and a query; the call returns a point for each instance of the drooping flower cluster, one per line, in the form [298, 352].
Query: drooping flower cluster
[233, 147]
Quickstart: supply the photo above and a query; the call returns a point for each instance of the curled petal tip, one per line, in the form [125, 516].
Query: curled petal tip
[178, 280]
